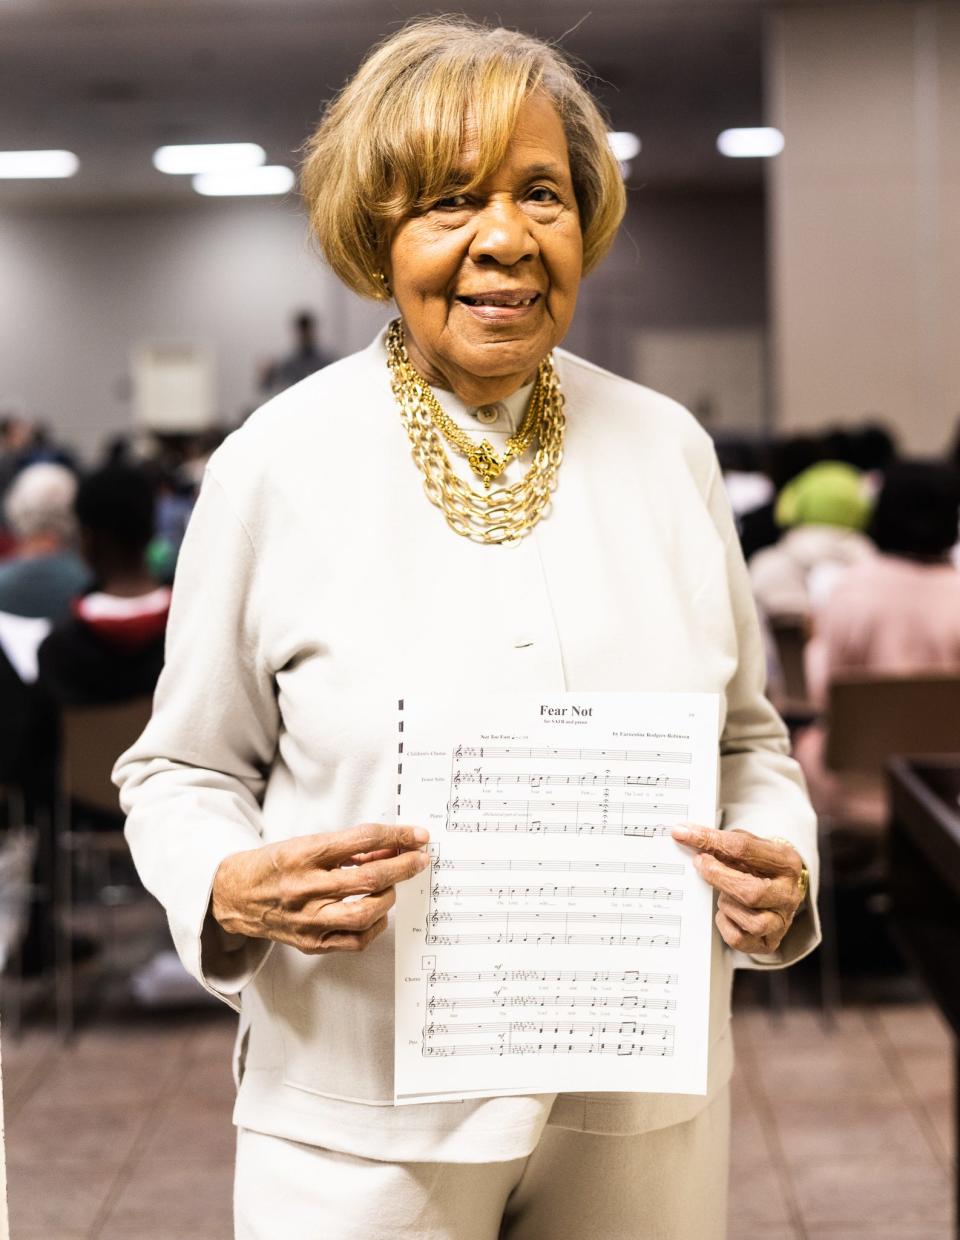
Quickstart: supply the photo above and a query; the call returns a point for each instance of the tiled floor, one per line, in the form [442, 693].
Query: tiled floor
[843, 1135]
[126, 1135]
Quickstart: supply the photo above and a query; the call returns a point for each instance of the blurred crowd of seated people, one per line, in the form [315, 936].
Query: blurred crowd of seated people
[858, 548]
[86, 561]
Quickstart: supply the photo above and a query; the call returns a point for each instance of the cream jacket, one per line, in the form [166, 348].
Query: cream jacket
[316, 586]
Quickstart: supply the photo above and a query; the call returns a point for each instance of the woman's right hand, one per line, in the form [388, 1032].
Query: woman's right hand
[294, 891]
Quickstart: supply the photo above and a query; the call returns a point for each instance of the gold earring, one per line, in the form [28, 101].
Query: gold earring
[385, 282]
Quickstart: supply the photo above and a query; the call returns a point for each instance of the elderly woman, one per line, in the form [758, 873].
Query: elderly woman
[557, 527]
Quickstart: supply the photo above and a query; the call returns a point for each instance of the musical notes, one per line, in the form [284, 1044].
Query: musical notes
[551, 807]
[627, 1002]
[572, 755]
[616, 1015]
[545, 918]
[548, 1048]
[559, 938]
[541, 938]
[497, 779]
[551, 891]
[553, 864]
[587, 977]
[537, 826]
[511, 1028]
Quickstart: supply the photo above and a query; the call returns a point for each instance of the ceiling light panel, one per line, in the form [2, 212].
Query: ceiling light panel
[760, 143]
[625, 146]
[37, 165]
[271, 179]
[208, 157]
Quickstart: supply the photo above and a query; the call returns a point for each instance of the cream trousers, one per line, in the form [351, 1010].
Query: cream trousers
[669, 1184]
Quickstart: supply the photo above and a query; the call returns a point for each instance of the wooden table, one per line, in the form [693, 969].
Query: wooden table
[925, 890]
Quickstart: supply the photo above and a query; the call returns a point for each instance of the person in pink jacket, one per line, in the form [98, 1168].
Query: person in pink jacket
[898, 611]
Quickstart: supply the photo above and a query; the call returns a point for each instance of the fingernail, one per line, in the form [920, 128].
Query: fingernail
[421, 835]
[423, 861]
[682, 833]
[697, 861]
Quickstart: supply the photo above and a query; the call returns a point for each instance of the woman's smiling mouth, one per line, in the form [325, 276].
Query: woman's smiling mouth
[501, 305]
[501, 297]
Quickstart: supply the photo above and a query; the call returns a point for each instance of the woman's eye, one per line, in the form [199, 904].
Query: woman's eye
[455, 202]
[542, 193]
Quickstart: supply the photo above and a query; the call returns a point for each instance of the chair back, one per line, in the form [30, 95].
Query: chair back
[92, 738]
[871, 718]
[790, 635]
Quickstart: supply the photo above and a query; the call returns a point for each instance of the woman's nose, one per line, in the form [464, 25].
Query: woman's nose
[503, 233]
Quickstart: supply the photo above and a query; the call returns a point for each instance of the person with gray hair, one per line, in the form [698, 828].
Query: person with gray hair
[45, 572]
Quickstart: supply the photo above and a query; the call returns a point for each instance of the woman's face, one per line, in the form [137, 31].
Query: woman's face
[486, 282]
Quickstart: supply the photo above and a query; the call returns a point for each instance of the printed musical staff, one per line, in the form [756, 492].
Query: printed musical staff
[550, 977]
[454, 1003]
[537, 826]
[540, 938]
[554, 865]
[572, 755]
[555, 1028]
[495, 779]
[547, 917]
[553, 892]
[549, 1048]
[563, 1037]
[532, 919]
[561, 807]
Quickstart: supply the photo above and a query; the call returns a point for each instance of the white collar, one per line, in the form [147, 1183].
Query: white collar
[465, 416]
[511, 410]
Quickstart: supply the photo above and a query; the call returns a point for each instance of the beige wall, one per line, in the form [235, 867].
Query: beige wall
[865, 216]
[81, 291]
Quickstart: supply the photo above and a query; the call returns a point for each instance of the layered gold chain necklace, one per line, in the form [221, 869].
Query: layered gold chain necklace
[501, 514]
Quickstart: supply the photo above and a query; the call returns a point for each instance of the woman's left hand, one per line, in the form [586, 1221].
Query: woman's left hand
[759, 881]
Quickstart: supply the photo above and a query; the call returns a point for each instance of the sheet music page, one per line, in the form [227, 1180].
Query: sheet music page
[560, 940]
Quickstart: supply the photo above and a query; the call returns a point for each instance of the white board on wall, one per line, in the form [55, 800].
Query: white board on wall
[717, 373]
[174, 387]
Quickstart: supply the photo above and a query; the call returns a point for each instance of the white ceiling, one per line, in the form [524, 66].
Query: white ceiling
[114, 79]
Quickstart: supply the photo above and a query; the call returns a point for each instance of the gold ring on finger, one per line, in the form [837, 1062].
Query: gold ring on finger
[803, 878]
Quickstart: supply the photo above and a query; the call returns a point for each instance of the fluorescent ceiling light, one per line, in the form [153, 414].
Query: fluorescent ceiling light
[208, 157]
[761, 143]
[625, 146]
[30, 165]
[274, 179]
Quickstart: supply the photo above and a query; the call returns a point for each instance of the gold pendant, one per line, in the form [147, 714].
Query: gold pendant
[485, 463]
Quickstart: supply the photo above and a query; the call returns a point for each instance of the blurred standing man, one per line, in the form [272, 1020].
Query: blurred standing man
[304, 360]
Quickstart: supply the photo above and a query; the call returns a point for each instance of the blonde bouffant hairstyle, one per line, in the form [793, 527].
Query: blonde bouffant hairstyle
[390, 143]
